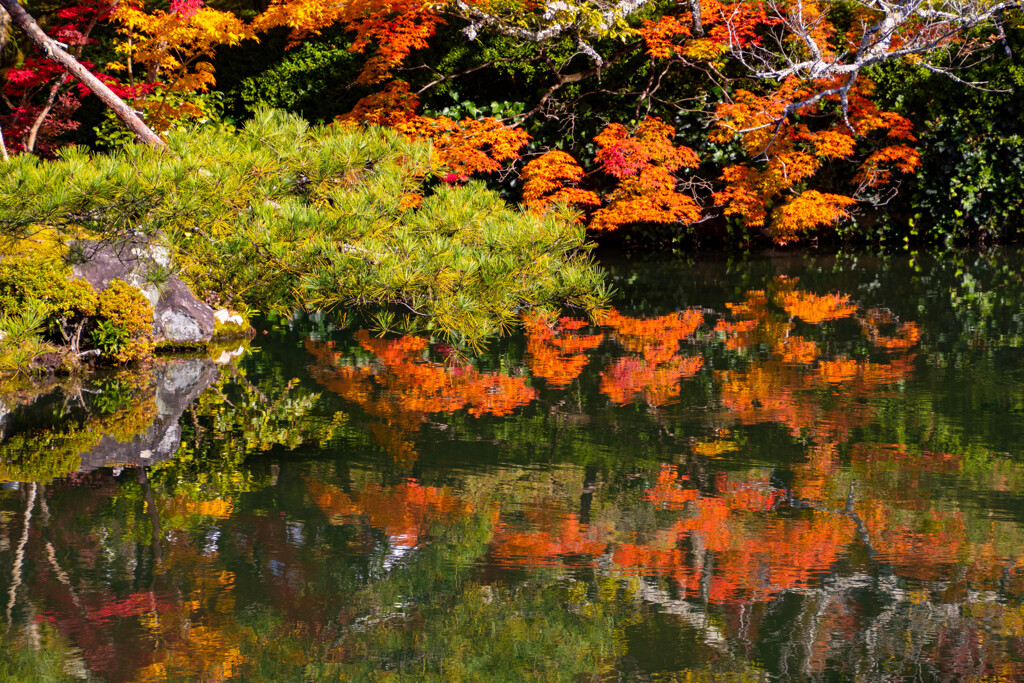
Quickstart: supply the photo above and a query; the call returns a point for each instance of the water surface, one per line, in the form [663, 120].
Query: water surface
[770, 469]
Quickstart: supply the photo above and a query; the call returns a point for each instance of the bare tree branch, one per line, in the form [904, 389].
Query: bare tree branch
[567, 20]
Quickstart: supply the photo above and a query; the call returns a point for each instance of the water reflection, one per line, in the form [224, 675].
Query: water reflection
[778, 480]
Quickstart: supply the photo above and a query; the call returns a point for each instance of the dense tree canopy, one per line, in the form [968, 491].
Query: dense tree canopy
[737, 120]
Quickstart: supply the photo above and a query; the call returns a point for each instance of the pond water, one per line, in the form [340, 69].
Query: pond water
[777, 468]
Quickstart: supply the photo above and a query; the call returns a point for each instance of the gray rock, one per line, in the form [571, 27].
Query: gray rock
[178, 316]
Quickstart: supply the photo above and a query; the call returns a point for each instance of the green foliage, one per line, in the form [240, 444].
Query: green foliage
[970, 140]
[109, 337]
[124, 331]
[163, 110]
[284, 216]
[20, 336]
[26, 280]
[305, 80]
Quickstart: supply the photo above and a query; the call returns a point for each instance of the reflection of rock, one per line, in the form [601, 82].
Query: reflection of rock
[226, 357]
[178, 316]
[178, 384]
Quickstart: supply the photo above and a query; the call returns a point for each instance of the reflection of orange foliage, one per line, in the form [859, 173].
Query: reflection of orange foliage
[668, 492]
[797, 350]
[816, 309]
[654, 377]
[838, 371]
[401, 388]
[557, 355]
[403, 512]
[786, 388]
[907, 334]
[185, 506]
[630, 378]
[918, 546]
[657, 339]
[551, 537]
[754, 556]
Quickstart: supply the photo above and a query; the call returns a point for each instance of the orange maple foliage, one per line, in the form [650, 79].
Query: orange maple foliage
[551, 179]
[792, 153]
[469, 146]
[396, 28]
[724, 26]
[643, 163]
[392, 104]
[176, 46]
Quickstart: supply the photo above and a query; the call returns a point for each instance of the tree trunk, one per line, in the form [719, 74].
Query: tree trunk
[53, 50]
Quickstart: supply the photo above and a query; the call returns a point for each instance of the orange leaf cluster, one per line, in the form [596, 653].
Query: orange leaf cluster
[622, 155]
[795, 152]
[809, 210]
[558, 355]
[396, 28]
[643, 163]
[725, 26]
[658, 36]
[551, 179]
[389, 106]
[469, 146]
[176, 46]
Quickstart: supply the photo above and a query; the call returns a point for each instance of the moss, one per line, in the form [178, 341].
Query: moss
[232, 330]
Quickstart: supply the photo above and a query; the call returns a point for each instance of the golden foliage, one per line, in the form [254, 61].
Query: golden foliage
[176, 46]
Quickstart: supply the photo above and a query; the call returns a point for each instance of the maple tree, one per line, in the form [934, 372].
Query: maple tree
[173, 49]
[553, 178]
